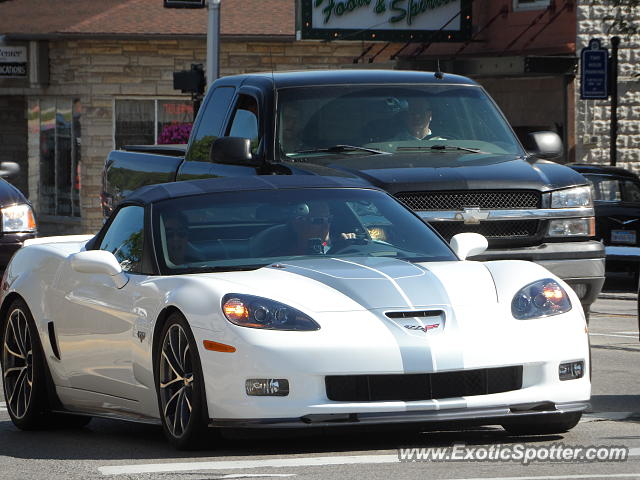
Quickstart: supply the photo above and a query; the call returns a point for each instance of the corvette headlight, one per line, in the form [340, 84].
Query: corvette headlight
[572, 197]
[258, 312]
[18, 218]
[540, 299]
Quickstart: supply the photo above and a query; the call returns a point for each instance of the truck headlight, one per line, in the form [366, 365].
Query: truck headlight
[572, 197]
[18, 218]
[572, 227]
[540, 299]
[258, 312]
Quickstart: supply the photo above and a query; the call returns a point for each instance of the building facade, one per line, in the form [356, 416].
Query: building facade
[599, 19]
[98, 75]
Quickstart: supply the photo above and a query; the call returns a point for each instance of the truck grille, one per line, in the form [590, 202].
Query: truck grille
[495, 200]
[423, 386]
[497, 229]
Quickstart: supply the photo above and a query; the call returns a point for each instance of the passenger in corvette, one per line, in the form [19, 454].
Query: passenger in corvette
[179, 249]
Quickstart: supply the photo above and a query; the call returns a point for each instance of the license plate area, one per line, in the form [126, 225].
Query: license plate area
[627, 237]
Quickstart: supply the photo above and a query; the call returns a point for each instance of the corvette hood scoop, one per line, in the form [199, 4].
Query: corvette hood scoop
[370, 283]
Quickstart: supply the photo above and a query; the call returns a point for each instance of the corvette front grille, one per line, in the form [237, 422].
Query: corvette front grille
[491, 200]
[423, 386]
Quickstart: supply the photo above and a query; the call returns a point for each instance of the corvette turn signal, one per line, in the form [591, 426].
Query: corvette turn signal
[218, 347]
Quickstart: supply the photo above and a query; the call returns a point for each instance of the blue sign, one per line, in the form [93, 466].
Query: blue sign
[594, 71]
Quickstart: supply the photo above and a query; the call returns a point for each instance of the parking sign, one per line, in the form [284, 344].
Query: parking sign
[594, 71]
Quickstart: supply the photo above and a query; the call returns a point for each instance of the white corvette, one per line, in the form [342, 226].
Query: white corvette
[284, 301]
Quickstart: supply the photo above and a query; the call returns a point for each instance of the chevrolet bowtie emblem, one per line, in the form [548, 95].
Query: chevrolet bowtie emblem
[472, 215]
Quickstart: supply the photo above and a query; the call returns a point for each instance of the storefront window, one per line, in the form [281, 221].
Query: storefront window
[59, 157]
[153, 121]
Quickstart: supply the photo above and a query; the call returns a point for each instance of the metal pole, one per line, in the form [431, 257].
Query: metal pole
[613, 147]
[213, 42]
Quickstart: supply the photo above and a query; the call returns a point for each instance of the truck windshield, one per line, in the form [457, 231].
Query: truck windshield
[371, 119]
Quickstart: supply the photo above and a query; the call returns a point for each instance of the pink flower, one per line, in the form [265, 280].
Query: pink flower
[175, 133]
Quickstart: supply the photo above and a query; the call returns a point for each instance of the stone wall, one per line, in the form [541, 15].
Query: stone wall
[99, 71]
[593, 116]
[13, 134]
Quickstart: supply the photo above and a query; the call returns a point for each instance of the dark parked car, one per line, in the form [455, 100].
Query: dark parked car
[616, 195]
[17, 219]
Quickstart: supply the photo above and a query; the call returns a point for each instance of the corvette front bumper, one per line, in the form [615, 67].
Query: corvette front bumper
[306, 359]
[482, 416]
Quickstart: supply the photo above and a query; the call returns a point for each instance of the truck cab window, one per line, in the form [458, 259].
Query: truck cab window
[209, 128]
[245, 120]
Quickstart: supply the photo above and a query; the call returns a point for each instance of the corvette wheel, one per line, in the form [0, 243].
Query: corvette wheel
[23, 369]
[544, 424]
[180, 385]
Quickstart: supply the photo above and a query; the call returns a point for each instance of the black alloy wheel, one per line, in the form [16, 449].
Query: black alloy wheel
[180, 385]
[23, 374]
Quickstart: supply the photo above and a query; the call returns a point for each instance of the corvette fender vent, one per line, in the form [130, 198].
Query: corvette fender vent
[423, 386]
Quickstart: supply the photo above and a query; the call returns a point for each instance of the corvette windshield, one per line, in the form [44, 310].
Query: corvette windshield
[249, 229]
[369, 119]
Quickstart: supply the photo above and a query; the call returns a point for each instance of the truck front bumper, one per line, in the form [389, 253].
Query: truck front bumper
[580, 264]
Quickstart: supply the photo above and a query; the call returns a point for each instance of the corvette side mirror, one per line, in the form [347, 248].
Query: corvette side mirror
[468, 244]
[99, 261]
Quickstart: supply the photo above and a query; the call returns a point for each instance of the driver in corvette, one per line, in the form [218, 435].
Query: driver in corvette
[308, 232]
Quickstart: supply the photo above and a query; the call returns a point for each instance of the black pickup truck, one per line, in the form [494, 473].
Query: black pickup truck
[435, 141]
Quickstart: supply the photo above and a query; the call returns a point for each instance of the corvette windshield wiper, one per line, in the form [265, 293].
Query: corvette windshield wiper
[226, 268]
[341, 149]
[440, 147]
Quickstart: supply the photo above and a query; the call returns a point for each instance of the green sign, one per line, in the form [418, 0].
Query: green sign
[386, 20]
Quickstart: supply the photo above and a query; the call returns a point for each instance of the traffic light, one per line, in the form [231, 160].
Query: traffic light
[190, 81]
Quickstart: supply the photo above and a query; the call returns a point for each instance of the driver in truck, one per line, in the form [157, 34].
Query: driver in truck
[415, 120]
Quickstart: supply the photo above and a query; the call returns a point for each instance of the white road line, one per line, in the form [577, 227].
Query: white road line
[244, 464]
[256, 475]
[558, 477]
[612, 335]
[306, 462]
[3, 407]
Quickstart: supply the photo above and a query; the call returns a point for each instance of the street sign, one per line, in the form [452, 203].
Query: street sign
[184, 3]
[594, 71]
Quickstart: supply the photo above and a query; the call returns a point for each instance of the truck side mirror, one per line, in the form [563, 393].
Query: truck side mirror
[232, 151]
[546, 145]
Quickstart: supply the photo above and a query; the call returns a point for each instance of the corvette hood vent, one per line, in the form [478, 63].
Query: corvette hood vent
[415, 314]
